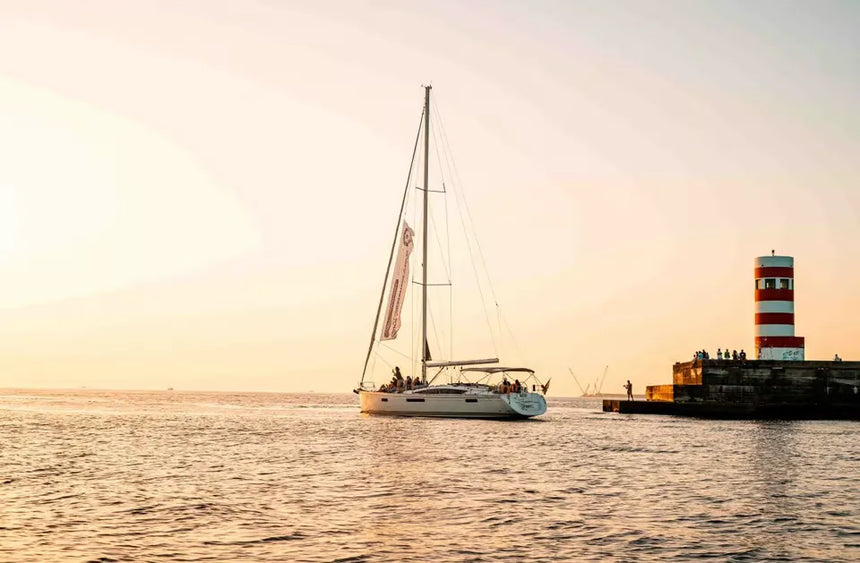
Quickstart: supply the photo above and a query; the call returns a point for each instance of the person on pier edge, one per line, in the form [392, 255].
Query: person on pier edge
[629, 387]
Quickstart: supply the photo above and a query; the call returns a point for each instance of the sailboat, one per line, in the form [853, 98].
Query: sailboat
[471, 388]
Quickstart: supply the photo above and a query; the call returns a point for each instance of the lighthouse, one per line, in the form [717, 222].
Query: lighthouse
[774, 310]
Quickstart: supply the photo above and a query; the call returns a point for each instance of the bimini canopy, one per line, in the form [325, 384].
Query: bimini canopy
[498, 369]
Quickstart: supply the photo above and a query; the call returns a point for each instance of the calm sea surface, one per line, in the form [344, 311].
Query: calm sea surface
[189, 476]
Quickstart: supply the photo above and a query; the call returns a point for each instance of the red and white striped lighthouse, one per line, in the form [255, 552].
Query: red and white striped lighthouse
[774, 310]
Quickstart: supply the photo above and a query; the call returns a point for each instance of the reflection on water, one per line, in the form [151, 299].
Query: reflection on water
[270, 477]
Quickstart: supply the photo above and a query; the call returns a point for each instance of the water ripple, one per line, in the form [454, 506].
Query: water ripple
[109, 476]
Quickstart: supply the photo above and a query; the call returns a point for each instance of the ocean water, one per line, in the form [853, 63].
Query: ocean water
[189, 476]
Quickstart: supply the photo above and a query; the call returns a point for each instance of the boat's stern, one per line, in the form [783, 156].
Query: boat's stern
[526, 404]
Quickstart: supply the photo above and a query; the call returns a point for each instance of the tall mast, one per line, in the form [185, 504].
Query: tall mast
[424, 236]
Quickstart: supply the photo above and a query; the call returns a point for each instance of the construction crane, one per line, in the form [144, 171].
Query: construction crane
[602, 379]
[584, 391]
[598, 384]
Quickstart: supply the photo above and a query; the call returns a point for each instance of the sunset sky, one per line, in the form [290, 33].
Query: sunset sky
[201, 195]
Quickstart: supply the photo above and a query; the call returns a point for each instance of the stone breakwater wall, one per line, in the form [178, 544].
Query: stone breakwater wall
[753, 388]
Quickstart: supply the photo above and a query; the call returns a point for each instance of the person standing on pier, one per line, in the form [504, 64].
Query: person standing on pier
[629, 387]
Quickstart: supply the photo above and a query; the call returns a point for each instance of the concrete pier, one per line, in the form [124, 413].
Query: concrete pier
[754, 389]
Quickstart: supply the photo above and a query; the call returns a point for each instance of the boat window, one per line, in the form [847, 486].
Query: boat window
[758, 284]
[439, 391]
[415, 400]
[770, 283]
[471, 400]
[783, 284]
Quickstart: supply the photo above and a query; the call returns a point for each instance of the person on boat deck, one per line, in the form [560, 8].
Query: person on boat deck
[397, 382]
[517, 386]
[408, 382]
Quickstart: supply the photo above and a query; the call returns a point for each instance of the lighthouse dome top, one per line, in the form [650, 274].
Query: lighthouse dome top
[774, 262]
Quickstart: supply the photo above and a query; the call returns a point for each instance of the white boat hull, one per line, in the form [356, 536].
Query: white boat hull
[479, 405]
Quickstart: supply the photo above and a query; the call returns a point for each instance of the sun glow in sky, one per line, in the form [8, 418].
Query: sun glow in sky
[201, 194]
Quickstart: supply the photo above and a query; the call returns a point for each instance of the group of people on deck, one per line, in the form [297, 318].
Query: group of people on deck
[506, 387]
[398, 384]
[735, 355]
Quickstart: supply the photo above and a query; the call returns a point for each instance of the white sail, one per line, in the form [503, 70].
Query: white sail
[399, 281]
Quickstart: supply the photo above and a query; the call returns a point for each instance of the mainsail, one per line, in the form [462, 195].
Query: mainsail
[399, 282]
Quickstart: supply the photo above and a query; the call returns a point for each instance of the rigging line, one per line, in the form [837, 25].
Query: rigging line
[435, 330]
[447, 261]
[450, 275]
[500, 318]
[481, 293]
[460, 195]
[414, 323]
[449, 266]
[391, 255]
[392, 350]
[469, 246]
[456, 174]
[439, 243]
[437, 145]
[440, 153]
[514, 341]
[436, 230]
